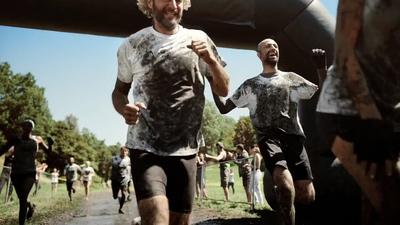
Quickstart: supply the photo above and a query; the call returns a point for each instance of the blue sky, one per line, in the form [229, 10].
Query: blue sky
[79, 71]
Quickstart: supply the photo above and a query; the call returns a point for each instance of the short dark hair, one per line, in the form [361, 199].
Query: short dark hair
[254, 145]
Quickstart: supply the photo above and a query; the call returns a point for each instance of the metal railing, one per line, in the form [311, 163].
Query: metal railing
[6, 179]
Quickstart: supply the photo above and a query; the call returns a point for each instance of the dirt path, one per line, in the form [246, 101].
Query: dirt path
[102, 209]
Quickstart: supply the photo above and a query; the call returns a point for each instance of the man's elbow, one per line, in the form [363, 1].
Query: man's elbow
[223, 111]
[224, 91]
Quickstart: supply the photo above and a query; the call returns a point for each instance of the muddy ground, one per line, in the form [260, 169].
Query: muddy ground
[102, 209]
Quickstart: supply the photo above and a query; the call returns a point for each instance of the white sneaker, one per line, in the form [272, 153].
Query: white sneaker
[137, 221]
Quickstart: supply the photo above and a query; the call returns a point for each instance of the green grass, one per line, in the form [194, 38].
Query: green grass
[59, 203]
[46, 204]
[216, 195]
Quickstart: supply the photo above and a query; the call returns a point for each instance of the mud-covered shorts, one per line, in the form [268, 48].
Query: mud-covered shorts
[170, 176]
[70, 185]
[286, 150]
[117, 186]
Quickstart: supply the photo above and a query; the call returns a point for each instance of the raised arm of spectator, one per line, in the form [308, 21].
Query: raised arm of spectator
[42, 145]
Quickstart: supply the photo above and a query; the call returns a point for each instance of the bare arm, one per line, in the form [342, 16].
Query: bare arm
[319, 59]
[218, 158]
[220, 78]
[7, 146]
[107, 171]
[257, 161]
[349, 23]
[43, 146]
[121, 103]
[224, 106]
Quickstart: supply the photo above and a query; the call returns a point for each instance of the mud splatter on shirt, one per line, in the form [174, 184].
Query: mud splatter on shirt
[168, 77]
[378, 54]
[272, 100]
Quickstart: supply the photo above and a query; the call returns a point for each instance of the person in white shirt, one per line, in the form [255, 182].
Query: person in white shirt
[166, 66]
[54, 179]
[272, 98]
[87, 174]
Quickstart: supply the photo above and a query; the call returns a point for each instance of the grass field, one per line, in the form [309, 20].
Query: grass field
[47, 204]
[59, 203]
[216, 195]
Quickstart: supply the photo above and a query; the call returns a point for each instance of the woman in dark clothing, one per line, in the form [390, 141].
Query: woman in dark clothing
[23, 173]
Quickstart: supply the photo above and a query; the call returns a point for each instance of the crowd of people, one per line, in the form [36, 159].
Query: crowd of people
[166, 65]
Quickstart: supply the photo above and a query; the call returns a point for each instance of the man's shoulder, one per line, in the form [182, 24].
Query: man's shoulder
[289, 74]
[195, 33]
[136, 38]
[38, 138]
[140, 32]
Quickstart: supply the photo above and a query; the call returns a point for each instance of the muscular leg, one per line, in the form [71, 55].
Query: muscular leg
[286, 194]
[124, 195]
[87, 189]
[198, 190]
[154, 210]
[226, 192]
[179, 218]
[305, 192]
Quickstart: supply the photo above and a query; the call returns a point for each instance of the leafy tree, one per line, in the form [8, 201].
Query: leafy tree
[217, 127]
[244, 132]
[72, 122]
[21, 98]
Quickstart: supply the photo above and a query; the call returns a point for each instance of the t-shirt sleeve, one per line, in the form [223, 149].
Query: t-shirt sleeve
[301, 88]
[241, 96]
[125, 73]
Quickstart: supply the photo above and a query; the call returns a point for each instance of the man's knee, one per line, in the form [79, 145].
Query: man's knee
[305, 192]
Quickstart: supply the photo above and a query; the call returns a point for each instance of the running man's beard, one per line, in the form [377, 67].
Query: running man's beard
[269, 62]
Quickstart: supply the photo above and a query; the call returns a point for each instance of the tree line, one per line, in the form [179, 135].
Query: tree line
[22, 98]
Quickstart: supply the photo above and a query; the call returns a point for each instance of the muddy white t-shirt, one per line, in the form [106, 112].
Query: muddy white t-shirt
[87, 173]
[377, 52]
[168, 77]
[71, 172]
[121, 169]
[272, 100]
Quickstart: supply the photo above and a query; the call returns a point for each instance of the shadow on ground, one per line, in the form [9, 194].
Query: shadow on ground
[264, 217]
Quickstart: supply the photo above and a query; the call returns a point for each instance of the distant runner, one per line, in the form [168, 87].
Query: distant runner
[120, 176]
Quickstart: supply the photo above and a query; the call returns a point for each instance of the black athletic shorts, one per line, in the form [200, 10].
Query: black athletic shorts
[71, 185]
[170, 176]
[347, 127]
[286, 150]
[116, 186]
[332, 125]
